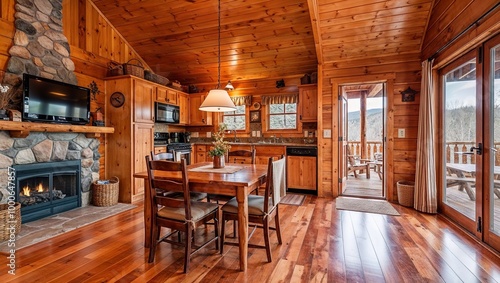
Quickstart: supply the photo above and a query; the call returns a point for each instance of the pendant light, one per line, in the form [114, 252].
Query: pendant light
[218, 100]
[229, 86]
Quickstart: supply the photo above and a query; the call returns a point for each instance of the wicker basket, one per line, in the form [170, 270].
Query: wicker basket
[6, 221]
[150, 76]
[115, 69]
[134, 69]
[105, 194]
[405, 192]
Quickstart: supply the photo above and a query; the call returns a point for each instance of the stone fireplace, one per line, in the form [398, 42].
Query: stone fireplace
[47, 188]
[40, 48]
[40, 148]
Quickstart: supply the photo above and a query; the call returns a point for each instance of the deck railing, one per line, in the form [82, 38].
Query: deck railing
[456, 152]
[372, 147]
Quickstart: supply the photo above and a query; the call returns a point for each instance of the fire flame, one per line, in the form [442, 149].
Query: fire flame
[26, 191]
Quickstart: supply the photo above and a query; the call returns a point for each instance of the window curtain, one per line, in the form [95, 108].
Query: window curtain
[425, 199]
[242, 100]
[280, 98]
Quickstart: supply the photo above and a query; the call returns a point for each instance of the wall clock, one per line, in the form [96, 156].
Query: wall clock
[117, 99]
[256, 106]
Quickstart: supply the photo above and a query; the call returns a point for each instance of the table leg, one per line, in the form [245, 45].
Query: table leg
[147, 214]
[368, 171]
[241, 197]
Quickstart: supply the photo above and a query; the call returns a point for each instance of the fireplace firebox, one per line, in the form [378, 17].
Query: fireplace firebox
[48, 188]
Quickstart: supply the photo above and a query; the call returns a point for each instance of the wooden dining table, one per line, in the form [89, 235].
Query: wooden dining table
[240, 183]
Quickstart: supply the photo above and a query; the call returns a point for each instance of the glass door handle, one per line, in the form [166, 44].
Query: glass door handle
[478, 149]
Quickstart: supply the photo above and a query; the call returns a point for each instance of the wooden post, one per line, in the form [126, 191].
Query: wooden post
[362, 119]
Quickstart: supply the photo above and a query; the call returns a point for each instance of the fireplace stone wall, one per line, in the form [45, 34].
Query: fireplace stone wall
[48, 147]
[39, 47]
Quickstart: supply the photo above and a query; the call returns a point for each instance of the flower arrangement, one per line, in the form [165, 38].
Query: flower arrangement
[220, 147]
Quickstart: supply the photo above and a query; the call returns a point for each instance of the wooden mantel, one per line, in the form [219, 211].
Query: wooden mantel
[23, 129]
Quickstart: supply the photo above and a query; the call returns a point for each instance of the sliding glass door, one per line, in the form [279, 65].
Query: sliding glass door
[470, 117]
[492, 142]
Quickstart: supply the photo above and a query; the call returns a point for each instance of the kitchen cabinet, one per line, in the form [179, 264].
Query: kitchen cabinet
[167, 95]
[308, 103]
[301, 172]
[160, 149]
[263, 152]
[196, 116]
[201, 154]
[143, 104]
[133, 138]
[184, 108]
[143, 142]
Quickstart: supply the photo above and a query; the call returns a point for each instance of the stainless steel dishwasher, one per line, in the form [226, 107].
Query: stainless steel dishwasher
[302, 169]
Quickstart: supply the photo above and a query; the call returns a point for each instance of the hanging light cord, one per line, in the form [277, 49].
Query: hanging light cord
[218, 62]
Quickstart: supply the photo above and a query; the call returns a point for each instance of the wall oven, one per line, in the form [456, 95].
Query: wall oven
[165, 113]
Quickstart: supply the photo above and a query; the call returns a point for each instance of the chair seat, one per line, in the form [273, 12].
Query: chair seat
[255, 205]
[198, 211]
[193, 195]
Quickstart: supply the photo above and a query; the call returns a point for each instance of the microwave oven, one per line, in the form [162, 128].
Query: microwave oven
[166, 113]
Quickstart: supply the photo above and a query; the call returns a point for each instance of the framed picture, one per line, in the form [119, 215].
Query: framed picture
[255, 116]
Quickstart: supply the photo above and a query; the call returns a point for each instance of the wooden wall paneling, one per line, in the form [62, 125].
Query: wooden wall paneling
[446, 23]
[7, 10]
[455, 17]
[319, 178]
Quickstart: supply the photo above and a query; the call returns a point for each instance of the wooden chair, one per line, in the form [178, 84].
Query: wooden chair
[165, 156]
[261, 209]
[241, 156]
[355, 164]
[182, 215]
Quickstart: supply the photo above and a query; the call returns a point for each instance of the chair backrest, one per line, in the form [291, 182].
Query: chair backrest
[232, 156]
[276, 183]
[156, 167]
[379, 156]
[161, 156]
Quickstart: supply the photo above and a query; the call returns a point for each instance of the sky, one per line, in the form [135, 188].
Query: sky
[371, 103]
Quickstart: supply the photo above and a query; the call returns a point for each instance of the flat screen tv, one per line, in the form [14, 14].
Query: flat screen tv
[46, 100]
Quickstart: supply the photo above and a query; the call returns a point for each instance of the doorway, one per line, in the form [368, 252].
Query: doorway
[470, 145]
[362, 120]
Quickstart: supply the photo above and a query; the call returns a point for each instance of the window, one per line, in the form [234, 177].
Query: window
[235, 120]
[283, 116]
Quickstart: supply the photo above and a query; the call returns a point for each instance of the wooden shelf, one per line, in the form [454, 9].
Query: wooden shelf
[23, 129]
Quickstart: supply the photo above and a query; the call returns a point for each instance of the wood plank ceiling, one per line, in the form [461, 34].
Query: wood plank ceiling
[265, 38]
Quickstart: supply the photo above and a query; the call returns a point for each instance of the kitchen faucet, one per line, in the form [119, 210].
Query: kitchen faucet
[235, 139]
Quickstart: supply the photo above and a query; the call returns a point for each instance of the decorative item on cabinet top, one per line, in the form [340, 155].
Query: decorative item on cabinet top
[152, 77]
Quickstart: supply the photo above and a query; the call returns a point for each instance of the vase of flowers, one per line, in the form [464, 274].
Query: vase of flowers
[220, 147]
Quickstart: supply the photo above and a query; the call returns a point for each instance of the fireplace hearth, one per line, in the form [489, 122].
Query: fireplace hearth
[48, 188]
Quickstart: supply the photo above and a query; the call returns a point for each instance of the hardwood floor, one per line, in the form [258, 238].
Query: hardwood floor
[320, 244]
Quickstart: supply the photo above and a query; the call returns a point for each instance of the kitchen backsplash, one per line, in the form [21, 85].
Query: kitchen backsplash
[267, 140]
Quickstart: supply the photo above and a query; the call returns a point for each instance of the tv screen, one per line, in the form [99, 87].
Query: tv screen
[47, 100]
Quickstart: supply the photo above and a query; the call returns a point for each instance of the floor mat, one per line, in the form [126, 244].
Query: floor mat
[365, 205]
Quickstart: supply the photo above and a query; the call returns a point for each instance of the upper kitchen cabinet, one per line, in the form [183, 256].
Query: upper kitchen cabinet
[308, 102]
[167, 95]
[143, 92]
[131, 96]
[184, 108]
[196, 116]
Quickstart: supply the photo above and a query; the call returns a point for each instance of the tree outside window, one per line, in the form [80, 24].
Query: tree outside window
[283, 116]
[235, 120]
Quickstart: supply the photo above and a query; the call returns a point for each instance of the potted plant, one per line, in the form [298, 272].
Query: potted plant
[220, 147]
